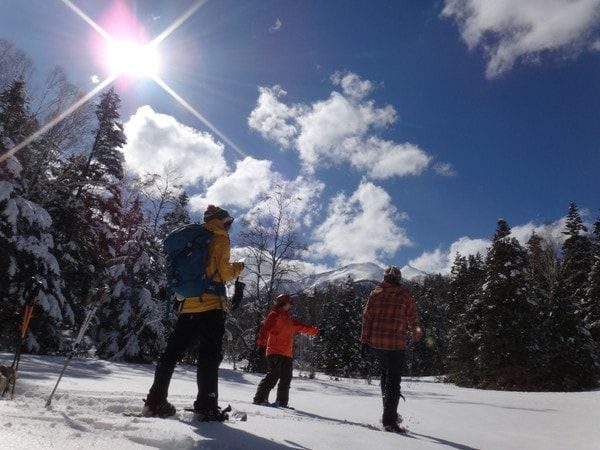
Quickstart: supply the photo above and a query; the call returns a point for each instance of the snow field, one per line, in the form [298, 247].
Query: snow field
[87, 412]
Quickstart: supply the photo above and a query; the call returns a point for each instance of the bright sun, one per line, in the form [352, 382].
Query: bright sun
[132, 58]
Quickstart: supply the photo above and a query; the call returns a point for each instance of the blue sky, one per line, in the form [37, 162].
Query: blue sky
[408, 127]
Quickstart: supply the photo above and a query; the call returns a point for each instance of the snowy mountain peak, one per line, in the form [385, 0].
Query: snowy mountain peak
[358, 271]
[412, 273]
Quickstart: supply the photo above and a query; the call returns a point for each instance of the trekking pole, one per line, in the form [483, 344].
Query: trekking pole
[27, 313]
[101, 295]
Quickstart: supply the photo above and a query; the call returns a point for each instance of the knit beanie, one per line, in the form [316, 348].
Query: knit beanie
[214, 212]
[392, 274]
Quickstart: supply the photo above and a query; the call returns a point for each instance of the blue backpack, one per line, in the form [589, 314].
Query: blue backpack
[187, 253]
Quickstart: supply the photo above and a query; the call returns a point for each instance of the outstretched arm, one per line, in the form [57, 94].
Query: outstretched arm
[305, 329]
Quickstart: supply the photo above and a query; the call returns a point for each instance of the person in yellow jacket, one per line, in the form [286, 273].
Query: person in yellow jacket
[201, 321]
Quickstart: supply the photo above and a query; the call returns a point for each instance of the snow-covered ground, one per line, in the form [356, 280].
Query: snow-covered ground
[87, 412]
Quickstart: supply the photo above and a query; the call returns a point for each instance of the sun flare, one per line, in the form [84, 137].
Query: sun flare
[133, 59]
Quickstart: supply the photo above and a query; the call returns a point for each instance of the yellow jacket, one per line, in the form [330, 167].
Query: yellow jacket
[218, 265]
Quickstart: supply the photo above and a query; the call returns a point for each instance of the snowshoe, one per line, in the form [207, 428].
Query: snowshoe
[161, 409]
[395, 428]
[281, 405]
[219, 415]
[213, 415]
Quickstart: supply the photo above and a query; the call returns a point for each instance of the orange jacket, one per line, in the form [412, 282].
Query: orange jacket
[277, 332]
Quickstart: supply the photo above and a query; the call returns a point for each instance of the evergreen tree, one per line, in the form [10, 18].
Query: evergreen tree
[26, 242]
[467, 277]
[177, 217]
[506, 341]
[16, 122]
[572, 358]
[592, 293]
[542, 269]
[338, 342]
[577, 259]
[105, 161]
[131, 322]
[87, 205]
[428, 355]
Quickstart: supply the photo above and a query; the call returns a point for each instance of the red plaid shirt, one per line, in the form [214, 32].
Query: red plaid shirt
[388, 313]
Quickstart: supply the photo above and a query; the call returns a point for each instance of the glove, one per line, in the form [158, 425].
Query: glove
[238, 294]
[417, 334]
[365, 350]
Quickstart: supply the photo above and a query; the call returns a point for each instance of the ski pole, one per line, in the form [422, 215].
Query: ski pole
[101, 296]
[27, 313]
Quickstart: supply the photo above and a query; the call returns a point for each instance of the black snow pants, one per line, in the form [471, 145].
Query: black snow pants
[206, 329]
[392, 365]
[280, 369]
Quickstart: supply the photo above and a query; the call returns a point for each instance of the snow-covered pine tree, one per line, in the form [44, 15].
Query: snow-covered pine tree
[592, 293]
[428, 355]
[177, 216]
[577, 259]
[338, 342]
[86, 205]
[466, 281]
[543, 266]
[130, 323]
[572, 360]
[26, 242]
[506, 342]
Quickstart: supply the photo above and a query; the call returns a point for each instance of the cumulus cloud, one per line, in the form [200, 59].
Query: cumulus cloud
[352, 85]
[340, 129]
[440, 260]
[156, 141]
[551, 232]
[272, 118]
[360, 227]
[250, 179]
[301, 197]
[526, 30]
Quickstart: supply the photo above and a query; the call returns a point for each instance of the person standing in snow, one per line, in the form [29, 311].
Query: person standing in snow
[389, 313]
[201, 321]
[276, 338]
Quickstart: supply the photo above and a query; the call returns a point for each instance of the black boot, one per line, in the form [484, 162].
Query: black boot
[158, 409]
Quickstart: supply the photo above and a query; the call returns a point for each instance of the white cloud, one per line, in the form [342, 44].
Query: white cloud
[441, 260]
[156, 141]
[250, 179]
[95, 79]
[276, 26]
[362, 227]
[444, 169]
[551, 232]
[301, 196]
[340, 129]
[352, 85]
[511, 30]
[431, 262]
[271, 118]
